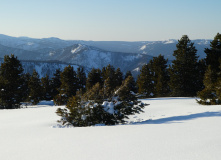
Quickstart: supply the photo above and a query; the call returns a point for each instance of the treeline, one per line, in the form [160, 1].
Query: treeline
[187, 76]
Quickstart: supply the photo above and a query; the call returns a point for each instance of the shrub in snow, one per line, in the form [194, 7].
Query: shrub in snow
[83, 111]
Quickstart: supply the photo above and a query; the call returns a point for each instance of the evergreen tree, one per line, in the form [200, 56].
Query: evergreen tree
[95, 94]
[213, 54]
[94, 76]
[118, 78]
[11, 82]
[145, 82]
[208, 94]
[35, 94]
[218, 86]
[25, 88]
[108, 89]
[84, 112]
[184, 72]
[158, 68]
[81, 76]
[211, 93]
[46, 88]
[128, 73]
[201, 67]
[56, 83]
[108, 72]
[68, 86]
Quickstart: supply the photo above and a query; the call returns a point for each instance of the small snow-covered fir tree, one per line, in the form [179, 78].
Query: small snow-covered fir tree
[88, 110]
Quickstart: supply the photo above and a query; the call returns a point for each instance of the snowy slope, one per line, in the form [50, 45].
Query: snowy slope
[46, 67]
[93, 54]
[179, 129]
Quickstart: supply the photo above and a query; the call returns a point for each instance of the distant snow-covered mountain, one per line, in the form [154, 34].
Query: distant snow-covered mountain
[92, 54]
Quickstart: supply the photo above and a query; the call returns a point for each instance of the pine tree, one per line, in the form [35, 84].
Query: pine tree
[128, 73]
[94, 76]
[158, 68]
[11, 82]
[35, 94]
[183, 72]
[208, 94]
[56, 83]
[201, 67]
[68, 86]
[213, 54]
[145, 82]
[109, 72]
[46, 88]
[218, 86]
[25, 88]
[94, 94]
[84, 112]
[118, 78]
[108, 89]
[211, 93]
[81, 77]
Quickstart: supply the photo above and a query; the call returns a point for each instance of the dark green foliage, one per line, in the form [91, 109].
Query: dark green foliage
[46, 88]
[76, 115]
[81, 78]
[92, 109]
[56, 83]
[201, 67]
[211, 94]
[26, 78]
[145, 82]
[213, 54]
[125, 92]
[95, 93]
[134, 87]
[128, 73]
[94, 76]
[11, 83]
[184, 72]
[218, 86]
[68, 86]
[109, 72]
[158, 68]
[208, 94]
[35, 93]
[118, 78]
[108, 88]
[130, 82]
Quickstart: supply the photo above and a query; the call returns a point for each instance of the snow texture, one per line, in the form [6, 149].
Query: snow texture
[170, 129]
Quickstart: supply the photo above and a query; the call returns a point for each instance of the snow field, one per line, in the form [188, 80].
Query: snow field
[169, 129]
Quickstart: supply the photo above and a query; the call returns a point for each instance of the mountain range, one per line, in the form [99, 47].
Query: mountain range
[47, 54]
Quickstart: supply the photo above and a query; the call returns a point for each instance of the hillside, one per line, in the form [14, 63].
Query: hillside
[170, 129]
[92, 54]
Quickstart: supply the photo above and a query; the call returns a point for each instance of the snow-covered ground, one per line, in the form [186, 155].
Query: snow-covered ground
[170, 129]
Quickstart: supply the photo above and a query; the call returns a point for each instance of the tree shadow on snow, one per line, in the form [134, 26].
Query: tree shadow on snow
[179, 119]
[169, 98]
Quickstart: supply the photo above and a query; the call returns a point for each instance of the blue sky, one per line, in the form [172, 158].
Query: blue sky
[111, 20]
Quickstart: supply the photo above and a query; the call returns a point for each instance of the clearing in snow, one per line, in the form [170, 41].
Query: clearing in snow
[169, 129]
